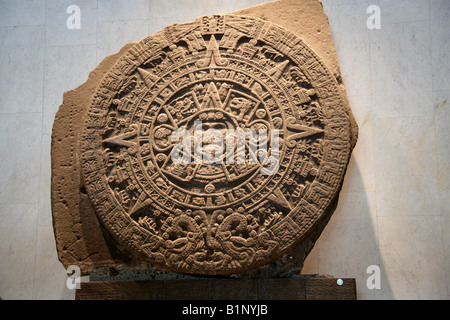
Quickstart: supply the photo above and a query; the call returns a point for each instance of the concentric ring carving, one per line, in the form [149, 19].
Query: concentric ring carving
[228, 73]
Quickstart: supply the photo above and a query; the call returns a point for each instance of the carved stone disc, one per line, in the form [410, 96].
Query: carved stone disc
[215, 215]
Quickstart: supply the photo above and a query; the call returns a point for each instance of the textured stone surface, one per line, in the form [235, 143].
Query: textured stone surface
[226, 70]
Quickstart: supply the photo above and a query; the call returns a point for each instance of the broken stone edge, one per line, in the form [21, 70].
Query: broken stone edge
[80, 237]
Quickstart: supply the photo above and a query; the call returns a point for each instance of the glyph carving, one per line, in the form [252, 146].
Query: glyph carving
[211, 216]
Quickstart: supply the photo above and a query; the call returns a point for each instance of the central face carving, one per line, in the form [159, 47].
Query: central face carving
[217, 120]
[212, 147]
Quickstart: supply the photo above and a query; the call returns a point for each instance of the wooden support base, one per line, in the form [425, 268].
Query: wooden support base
[221, 289]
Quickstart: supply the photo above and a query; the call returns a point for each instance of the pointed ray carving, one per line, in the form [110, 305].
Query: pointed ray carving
[212, 97]
[212, 57]
[278, 198]
[122, 139]
[305, 131]
[278, 70]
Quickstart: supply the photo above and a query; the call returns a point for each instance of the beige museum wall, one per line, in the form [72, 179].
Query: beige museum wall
[394, 209]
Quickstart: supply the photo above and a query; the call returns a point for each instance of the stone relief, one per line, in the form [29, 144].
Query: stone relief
[227, 73]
